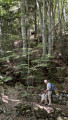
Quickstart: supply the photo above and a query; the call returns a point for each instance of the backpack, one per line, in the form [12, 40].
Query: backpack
[52, 87]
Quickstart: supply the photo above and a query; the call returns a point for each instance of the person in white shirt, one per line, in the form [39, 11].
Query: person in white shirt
[48, 92]
[42, 95]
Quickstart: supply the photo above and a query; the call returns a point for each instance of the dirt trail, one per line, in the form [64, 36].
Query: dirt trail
[9, 98]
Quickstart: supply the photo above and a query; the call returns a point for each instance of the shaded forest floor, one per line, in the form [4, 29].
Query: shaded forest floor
[12, 98]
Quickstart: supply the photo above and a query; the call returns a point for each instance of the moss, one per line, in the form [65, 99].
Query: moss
[7, 113]
[61, 88]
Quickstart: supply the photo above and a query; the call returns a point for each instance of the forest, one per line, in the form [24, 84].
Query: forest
[33, 48]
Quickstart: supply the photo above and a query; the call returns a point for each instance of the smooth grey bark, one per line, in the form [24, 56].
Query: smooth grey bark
[53, 17]
[0, 35]
[0, 32]
[28, 40]
[63, 15]
[27, 23]
[59, 18]
[42, 19]
[23, 26]
[35, 20]
[49, 28]
[53, 11]
[64, 12]
[52, 26]
[44, 27]
[40, 15]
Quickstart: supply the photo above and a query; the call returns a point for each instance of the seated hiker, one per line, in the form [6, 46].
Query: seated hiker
[42, 97]
[48, 92]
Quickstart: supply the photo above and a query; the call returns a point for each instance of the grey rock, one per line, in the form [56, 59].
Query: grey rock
[67, 104]
[59, 118]
[65, 118]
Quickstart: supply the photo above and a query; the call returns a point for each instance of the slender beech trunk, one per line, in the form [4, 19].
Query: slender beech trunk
[40, 16]
[59, 20]
[28, 39]
[0, 36]
[64, 12]
[54, 17]
[42, 24]
[52, 26]
[44, 27]
[0, 32]
[35, 20]
[23, 26]
[49, 27]
[27, 23]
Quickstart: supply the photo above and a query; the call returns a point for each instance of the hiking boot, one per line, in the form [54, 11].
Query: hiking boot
[46, 104]
[49, 105]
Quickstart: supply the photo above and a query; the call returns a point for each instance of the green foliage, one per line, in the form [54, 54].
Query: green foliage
[1, 77]
[4, 79]
[61, 71]
[12, 61]
[28, 95]
[64, 47]
[29, 87]
[7, 79]
[7, 113]
[13, 67]
[66, 26]
[14, 37]
[45, 63]
[25, 95]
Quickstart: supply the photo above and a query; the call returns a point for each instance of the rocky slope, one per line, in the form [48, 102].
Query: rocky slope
[19, 103]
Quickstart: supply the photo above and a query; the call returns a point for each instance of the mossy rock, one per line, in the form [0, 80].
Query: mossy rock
[7, 113]
[1, 111]
[40, 113]
[24, 110]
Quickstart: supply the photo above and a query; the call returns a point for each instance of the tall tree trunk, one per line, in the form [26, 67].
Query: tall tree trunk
[59, 20]
[40, 16]
[42, 24]
[0, 36]
[63, 14]
[44, 27]
[54, 17]
[0, 32]
[51, 11]
[52, 26]
[28, 39]
[49, 27]
[35, 20]
[27, 24]
[23, 26]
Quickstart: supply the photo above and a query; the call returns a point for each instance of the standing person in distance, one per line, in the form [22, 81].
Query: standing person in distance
[48, 92]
